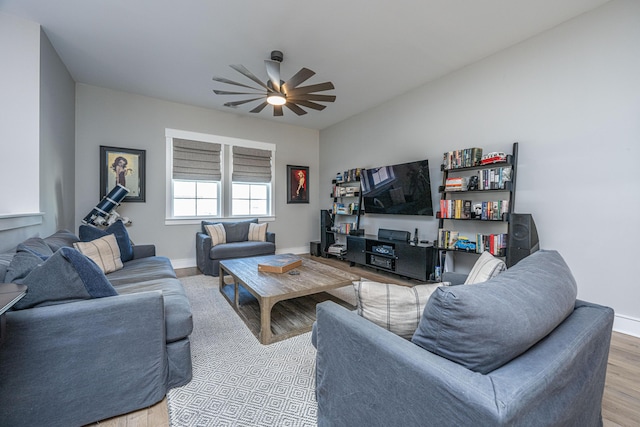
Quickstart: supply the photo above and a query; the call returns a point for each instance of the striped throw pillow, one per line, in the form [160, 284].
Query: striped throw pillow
[217, 233]
[103, 251]
[257, 232]
[396, 308]
[485, 268]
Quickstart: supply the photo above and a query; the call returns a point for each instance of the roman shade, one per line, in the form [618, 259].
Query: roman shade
[251, 165]
[196, 160]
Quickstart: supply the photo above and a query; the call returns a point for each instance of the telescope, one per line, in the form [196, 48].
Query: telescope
[104, 213]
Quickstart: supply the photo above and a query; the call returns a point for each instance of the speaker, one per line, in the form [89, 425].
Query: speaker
[384, 234]
[314, 248]
[326, 239]
[523, 238]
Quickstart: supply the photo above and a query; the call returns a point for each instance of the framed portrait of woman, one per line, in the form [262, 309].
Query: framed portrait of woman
[297, 184]
[122, 166]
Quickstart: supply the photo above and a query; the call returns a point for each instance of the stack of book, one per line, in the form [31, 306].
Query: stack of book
[464, 158]
[456, 183]
[337, 249]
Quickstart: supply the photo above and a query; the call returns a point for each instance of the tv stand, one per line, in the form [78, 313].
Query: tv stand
[416, 261]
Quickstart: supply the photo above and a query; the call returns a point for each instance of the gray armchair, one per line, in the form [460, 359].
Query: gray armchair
[366, 375]
[237, 246]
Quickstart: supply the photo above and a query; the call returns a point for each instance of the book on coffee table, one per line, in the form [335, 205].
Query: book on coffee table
[280, 264]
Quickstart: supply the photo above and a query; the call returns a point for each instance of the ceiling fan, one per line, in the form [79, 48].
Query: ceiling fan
[277, 92]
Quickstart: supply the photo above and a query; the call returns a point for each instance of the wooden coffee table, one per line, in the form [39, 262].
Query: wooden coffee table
[297, 295]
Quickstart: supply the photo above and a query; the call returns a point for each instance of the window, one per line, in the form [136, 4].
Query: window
[217, 177]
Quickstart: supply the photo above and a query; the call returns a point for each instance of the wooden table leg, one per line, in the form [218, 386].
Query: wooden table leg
[265, 320]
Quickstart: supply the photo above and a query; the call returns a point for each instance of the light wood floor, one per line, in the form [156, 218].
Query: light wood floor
[620, 404]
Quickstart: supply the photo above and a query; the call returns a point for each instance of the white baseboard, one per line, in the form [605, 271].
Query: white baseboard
[626, 325]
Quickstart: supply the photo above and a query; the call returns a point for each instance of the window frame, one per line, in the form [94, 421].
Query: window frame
[226, 167]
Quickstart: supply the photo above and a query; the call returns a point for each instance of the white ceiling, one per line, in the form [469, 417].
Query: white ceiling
[372, 50]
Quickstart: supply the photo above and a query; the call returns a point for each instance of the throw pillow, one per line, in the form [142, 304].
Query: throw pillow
[484, 326]
[89, 232]
[258, 232]
[37, 246]
[393, 307]
[486, 267]
[217, 233]
[21, 265]
[65, 276]
[103, 251]
[61, 239]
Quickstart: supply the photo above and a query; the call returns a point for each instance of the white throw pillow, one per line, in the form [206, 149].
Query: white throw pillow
[258, 232]
[103, 251]
[396, 308]
[217, 233]
[485, 268]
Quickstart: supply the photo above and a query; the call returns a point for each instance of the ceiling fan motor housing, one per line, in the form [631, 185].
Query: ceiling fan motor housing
[277, 55]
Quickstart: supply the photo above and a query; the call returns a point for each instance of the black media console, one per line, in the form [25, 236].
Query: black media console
[401, 257]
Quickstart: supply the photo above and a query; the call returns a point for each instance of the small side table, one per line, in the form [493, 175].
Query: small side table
[10, 293]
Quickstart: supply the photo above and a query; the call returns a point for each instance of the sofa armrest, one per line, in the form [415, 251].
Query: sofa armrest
[203, 248]
[59, 361]
[271, 237]
[143, 251]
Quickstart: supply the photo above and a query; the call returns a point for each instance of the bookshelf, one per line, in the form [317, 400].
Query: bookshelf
[476, 201]
[343, 218]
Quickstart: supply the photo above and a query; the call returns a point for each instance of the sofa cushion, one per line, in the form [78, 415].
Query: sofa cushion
[486, 267]
[217, 233]
[242, 250]
[394, 307]
[61, 239]
[118, 229]
[257, 232]
[65, 276]
[143, 270]
[484, 326]
[178, 318]
[103, 251]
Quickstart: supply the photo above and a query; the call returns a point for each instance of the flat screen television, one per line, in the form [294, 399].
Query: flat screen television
[402, 189]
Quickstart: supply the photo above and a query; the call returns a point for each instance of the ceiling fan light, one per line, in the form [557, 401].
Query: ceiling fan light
[276, 99]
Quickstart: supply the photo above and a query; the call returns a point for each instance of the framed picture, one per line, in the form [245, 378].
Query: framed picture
[122, 166]
[297, 184]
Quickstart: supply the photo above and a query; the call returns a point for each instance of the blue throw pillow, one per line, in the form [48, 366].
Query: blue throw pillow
[65, 276]
[89, 232]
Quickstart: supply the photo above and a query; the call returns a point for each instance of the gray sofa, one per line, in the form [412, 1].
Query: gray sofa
[517, 350]
[208, 257]
[77, 361]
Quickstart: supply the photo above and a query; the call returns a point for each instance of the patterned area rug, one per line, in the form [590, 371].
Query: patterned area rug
[236, 380]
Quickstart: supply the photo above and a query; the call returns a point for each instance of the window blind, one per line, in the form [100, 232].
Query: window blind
[196, 160]
[251, 165]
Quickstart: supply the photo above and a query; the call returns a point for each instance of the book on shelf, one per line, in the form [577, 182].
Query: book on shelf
[464, 158]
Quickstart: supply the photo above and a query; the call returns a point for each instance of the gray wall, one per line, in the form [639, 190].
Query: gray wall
[57, 141]
[112, 118]
[571, 97]
[49, 120]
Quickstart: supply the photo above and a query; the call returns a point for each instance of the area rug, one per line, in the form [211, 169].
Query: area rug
[236, 380]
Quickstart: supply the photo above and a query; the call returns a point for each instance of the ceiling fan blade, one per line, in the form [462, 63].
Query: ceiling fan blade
[293, 107]
[231, 82]
[313, 97]
[235, 103]
[259, 107]
[311, 105]
[225, 92]
[311, 88]
[277, 110]
[299, 77]
[273, 72]
[248, 74]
